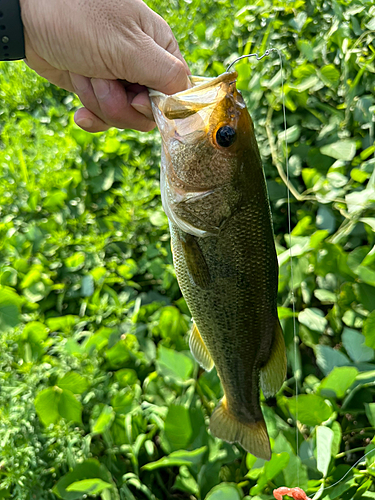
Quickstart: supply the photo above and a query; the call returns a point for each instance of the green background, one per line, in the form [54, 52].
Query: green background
[99, 394]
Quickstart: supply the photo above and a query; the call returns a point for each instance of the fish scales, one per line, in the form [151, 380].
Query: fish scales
[215, 196]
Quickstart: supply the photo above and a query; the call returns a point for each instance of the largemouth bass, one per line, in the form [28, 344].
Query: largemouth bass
[215, 196]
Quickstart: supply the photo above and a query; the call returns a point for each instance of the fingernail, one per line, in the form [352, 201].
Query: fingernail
[79, 82]
[101, 87]
[84, 122]
[144, 110]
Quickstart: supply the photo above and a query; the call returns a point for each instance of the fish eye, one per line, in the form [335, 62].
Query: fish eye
[225, 136]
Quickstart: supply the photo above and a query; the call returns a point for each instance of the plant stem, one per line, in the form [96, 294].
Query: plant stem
[353, 450]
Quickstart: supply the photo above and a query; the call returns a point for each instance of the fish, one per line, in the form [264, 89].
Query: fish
[214, 194]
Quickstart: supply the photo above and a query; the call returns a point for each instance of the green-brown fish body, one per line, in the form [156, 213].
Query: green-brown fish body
[214, 194]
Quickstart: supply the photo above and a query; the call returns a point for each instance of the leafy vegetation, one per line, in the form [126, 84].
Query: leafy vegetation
[99, 394]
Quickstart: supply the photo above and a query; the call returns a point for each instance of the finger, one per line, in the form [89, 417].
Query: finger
[160, 70]
[109, 101]
[115, 106]
[163, 36]
[158, 30]
[141, 103]
[86, 120]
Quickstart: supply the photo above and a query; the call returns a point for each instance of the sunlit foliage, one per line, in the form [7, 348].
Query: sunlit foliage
[99, 394]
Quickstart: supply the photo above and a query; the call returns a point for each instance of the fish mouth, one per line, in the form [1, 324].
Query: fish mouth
[199, 83]
[204, 93]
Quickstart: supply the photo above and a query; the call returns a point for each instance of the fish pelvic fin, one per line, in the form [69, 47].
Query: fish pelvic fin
[253, 437]
[272, 375]
[199, 349]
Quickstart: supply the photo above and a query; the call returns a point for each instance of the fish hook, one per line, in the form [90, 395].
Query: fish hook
[258, 58]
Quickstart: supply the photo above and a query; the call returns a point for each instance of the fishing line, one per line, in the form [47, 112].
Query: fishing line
[292, 297]
[351, 468]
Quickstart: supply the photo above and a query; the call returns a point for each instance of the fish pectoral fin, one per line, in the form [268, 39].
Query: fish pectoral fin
[199, 349]
[252, 437]
[195, 261]
[272, 375]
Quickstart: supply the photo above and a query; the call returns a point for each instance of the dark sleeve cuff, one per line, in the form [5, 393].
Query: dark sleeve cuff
[12, 42]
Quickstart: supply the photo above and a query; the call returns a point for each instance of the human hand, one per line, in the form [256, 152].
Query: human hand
[107, 53]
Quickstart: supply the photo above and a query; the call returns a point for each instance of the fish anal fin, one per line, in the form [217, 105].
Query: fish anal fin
[272, 375]
[195, 261]
[253, 437]
[199, 349]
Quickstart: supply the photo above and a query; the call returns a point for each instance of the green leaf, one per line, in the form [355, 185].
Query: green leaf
[365, 295]
[224, 491]
[73, 382]
[271, 469]
[366, 274]
[292, 134]
[46, 405]
[121, 352]
[341, 150]
[176, 366]
[370, 413]
[126, 377]
[75, 261]
[69, 407]
[325, 296]
[104, 421]
[179, 458]
[62, 323]
[178, 429]
[328, 358]
[295, 471]
[35, 332]
[111, 145]
[159, 219]
[312, 409]
[324, 440]
[88, 469]
[9, 308]
[87, 286]
[172, 323]
[306, 49]
[337, 437]
[123, 402]
[33, 276]
[313, 318]
[354, 343]
[369, 330]
[338, 382]
[330, 75]
[370, 221]
[55, 200]
[128, 269]
[359, 175]
[89, 486]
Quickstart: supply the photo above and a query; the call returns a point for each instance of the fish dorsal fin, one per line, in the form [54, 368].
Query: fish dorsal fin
[252, 437]
[199, 349]
[195, 261]
[272, 375]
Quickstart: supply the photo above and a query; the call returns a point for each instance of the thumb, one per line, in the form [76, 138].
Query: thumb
[160, 70]
[163, 71]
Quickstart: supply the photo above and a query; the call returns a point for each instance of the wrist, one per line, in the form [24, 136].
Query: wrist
[12, 42]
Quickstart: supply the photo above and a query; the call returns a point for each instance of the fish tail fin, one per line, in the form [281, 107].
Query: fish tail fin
[272, 375]
[252, 437]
